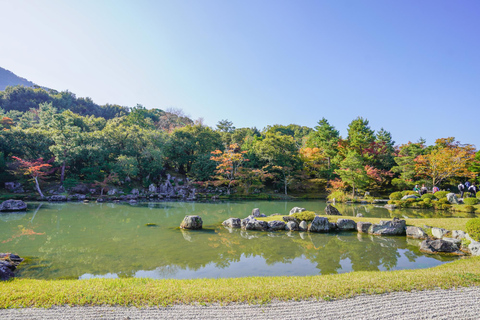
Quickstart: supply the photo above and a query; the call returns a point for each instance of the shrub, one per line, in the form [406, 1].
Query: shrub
[441, 194]
[305, 215]
[473, 228]
[470, 201]
[396, 196]
[428, 196]
[443, 201]
[391, 201]
[339, 196]
[469, 208]
[408, 192]
[427, 200]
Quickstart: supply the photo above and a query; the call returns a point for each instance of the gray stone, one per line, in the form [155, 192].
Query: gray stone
[396, 227]
[13, 205]
[456, 242]
[439, 233]
[452, 198]
[80, 188]
[250, 223]
[303, 226]
[291, 226]
[474, 248]
[439, 246]
[152, 188]
[8, 264]
[359, 215]
[332, 211]
[390, 206]
[256, 212]
[15, 187]
[319, 224]
[191, 222]
[296, 210]
[232, 223]
[289, 218]
[276, 225]
[346, 225]
[416, 233]
[135, 191]
[362, 227]
[458, 234]
[409, 196]
[57, 197]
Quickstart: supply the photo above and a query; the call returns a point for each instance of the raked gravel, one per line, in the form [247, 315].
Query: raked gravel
[460, 303]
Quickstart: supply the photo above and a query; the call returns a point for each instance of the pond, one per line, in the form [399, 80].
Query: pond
[110, 240]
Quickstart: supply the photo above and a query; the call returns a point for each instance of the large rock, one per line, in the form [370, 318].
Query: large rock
[276, 225]
[303, 226]
[416, 233]
[256, 213]
[332, 211]
[346, 225]
[409, 196]
[291, 226]
[152, 188]
[439, 233]
[15, 187]
[396, 227]
[362, 227]
[13, 205]
[57, 197]
[191, 222]
[8, 264]
[232, 223]
[456, 242]
[458, 234]
[250, 223]
[80, 188]
[390, 206]
[439, 246]
[296, 210]
[319, 224]
[452, 198]
[474, 248]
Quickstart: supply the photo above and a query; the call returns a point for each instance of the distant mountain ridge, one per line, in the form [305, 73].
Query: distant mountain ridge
[8, 78]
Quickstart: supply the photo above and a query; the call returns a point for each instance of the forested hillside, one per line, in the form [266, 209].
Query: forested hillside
[8, 78]
[73, 140]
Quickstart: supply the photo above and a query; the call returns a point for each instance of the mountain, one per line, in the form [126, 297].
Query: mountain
[8, 78]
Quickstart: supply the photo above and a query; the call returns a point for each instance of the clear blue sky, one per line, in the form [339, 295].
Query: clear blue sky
[412, 67]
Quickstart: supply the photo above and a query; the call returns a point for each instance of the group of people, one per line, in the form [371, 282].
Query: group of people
[467, 187]
[470, 187]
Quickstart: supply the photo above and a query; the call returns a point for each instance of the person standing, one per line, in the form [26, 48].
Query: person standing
[473, 190]
[461, 188]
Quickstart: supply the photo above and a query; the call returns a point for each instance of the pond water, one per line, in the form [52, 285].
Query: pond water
[110, 240]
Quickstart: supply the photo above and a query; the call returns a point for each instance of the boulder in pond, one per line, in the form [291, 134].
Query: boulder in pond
[346, 225]
[416, 233]
[191, 222]
[57, 197]
[250, 223]
[396, 227]
[390, 206]
[362, 226]
[232, 223]
[276, 225]
[439, 246]
[291, 226]
[8, 264]
[296, 210]
[303, 226]
[13, 205]
[332, 211]
[319, 224]
[256, 213]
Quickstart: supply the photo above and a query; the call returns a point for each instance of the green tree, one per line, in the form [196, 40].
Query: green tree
[352, 171]
[360, 136]
[325, 137]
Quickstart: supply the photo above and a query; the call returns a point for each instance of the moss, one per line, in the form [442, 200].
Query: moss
[470, 201]
[304, 216]
[473, 228]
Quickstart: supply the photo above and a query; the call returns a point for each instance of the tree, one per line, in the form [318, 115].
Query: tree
[228, 163]
[281, 155]
[352, 171]
[360, 136]
[405, 160]
[448, 159]
[325, 138]
[34, 169]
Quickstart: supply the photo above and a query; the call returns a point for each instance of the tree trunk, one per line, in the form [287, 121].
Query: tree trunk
[285, 180]
[38, 188]
[62, 176]
[353, 190]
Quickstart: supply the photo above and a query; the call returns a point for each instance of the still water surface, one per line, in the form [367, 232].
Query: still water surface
[110, 240]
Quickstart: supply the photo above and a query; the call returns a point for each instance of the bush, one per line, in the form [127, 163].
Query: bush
[441, 194]
[396, 196]
[443, 201]
[470, 201]
[339, 196]
[473, 228]
[428, 196]
[469, 208]
[408, 192]
[427, 200]
[305, 215]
